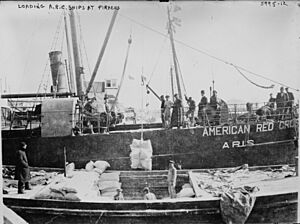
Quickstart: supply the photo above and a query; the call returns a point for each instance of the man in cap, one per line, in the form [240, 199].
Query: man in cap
[172, 176]
[167, 112]
[148, 195]
[162, 110]
[22, 172]
[214, 100]
[192, 106]
[119, 196]
[290, 100]
[272, 101]
[176, 119]
[202, 108]
[281, 100]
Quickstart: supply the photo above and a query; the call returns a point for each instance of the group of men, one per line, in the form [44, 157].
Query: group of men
[284, 102]
[177, 117]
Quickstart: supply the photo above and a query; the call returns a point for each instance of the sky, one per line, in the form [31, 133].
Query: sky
[260, 38]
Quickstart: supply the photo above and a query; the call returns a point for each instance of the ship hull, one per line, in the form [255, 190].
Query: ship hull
[267, 209]
[194, 148]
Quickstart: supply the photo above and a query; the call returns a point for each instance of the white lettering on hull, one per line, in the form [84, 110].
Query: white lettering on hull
[237, 144]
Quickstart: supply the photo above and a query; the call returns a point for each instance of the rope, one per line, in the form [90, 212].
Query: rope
[85, 52]
[161, 49]
[207, 54]
[56, 35]
[265, 87]
[53, 45]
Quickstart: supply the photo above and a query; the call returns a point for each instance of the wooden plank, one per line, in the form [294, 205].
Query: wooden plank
[10, 217]
[194, 184]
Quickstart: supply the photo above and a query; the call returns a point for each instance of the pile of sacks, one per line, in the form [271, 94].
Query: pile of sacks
[109, 183]
[141, 153]
[82, 185]
[78, 185]
[99, 166]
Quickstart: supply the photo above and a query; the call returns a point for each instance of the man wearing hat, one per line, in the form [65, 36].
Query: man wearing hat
[202, 108]
[281, 100]
[162, 110]
[192, 106]
[290, 100]
[177, 113]
[119, 196]
[148, 195]
[167, 112]
[22, 173]
[214, 100]
[172, 176]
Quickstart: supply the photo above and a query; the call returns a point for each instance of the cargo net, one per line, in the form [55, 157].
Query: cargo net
[141, 153]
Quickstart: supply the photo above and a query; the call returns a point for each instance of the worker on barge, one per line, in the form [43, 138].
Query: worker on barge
[22, 172]
[172, 176]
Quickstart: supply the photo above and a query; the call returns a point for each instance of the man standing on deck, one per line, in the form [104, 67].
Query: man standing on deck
[281, 100]
[191, 111]
[107, 111]
[290, 100]
[214, 100]
[272, 101]
[176, 119]
[172, 176]
[22, 173]
[162, 110]
[202, 108]
[167, 112]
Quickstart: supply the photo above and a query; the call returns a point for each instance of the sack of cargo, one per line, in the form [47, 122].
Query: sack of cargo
[186, 186]
[186, 193]
[135, 153]
[101, 165]
[109, 194]
[71, 197]
[115, 176]
[141, 153]
[43, 194]
[57, 196]
[105, 185]
[146, 150]
[89, 166]
[57, 188]
[97, 170]
[70, 169]
[69, 189]
[146, 164]
[135, 163]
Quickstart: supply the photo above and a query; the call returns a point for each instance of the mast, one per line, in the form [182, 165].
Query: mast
[72, 84]
[102, 51]
[172, 83]
[124, 69]
[78, 67]
[174, 53]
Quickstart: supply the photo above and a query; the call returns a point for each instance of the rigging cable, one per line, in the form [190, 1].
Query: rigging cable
[207, 54]
[53, 44]
[265, 87]
[159, 54]
[85, 52]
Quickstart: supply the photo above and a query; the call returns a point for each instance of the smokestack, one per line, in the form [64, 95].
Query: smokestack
[58, 72]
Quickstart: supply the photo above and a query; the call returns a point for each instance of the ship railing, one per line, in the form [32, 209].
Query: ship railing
[245, 113]
[22, 114]
[30, 117]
